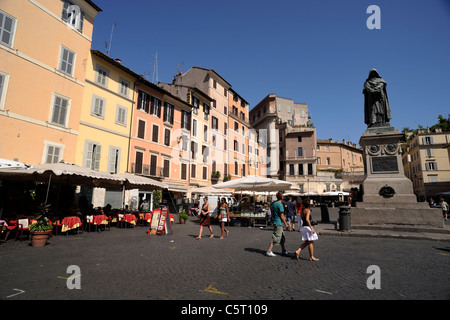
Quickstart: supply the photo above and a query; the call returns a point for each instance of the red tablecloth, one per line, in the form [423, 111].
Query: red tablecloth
[100, 219]
[69, 223]
[130, 218]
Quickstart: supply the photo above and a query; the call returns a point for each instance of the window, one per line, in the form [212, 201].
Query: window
[143, 101]
[215, 123]
[430, 152]
[214, 84]
[124, 87]
[138, 163]
[194, 149]
[66, 61]
[53, 154]
[101, 76]
[291, 169]
[328, 161]
[113, 159]
[300, 169]
[205, 111]
[236, 126]
[205, 133]
[4, 79]
[205, 173]
[141, 129]
[236, 145]
[92, 153]
[310, 169]
[184, 142]
[299, 139]
[427, 140]
[155, 133]
[185, 120]
[433, 178]
[168, 112]
[205, 153]
[167, 137]
[236, 168]
[225, 127]
[166, 168]
[155, 108]
[431, 166]
[196, 104]
[60, 110]
[193, 169]
[98, 106]
[7, 26]
[194, 127]
[73, 17]
[319, 160]
[300, 152]
[153, 164]
[121, 115]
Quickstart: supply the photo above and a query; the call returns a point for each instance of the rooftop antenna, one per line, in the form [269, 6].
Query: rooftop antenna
[110, 40]
[155, 69]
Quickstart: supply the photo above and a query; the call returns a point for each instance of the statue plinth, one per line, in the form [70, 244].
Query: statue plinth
[388, 196]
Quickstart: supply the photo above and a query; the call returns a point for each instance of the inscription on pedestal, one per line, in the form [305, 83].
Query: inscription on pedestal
[384, 164]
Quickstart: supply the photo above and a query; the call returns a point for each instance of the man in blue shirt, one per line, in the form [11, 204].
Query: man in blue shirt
[279, 221]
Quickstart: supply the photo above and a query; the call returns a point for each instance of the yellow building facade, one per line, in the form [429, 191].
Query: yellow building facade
[44, 47]
[105, 120]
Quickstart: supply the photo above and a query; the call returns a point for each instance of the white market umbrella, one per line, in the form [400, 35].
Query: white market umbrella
[211, 190]
[255, 183]
[7, 164]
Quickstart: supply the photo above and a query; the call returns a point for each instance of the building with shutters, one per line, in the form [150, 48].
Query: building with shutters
[426, 162]
[42, 77]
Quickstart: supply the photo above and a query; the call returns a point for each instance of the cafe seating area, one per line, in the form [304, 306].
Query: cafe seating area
[17, 228]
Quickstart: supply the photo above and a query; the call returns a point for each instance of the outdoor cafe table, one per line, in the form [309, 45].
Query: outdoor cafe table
[130, 218]
[100, 219]
[69, 223]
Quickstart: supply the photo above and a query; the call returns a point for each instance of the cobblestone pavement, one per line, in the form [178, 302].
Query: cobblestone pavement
[129, 264]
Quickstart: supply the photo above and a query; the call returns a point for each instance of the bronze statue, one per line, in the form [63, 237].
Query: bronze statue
[376, 104]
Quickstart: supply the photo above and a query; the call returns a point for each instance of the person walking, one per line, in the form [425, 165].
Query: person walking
[290, 206]
[223, 216]
[444, 206]
[205, 219]
[277, 210]
[309, 235]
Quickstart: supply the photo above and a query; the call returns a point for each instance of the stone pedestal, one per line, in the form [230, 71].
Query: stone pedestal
[388, 197]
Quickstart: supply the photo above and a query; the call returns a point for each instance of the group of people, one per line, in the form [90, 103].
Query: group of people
[205, 218]
[283, 216]
[280, 222]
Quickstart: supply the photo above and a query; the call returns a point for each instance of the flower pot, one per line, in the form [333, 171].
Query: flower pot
[39, 238]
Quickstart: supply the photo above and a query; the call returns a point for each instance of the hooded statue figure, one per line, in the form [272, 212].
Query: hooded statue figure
[376, 104]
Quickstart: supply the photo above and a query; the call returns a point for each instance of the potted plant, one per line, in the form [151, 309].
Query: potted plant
[215, 176]
[42, 228]
[226, 177]
[182, 216]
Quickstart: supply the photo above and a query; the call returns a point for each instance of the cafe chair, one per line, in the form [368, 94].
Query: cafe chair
[57, 225]
[88, 222]
[23, 226]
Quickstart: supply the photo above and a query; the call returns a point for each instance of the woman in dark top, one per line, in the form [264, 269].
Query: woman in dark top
[308, 233]
[205, 219]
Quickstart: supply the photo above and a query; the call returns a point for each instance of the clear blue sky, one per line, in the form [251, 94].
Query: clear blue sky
[314, 52]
